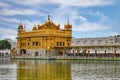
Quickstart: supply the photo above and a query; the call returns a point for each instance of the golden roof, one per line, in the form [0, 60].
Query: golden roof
[48, 24]
[20, 26]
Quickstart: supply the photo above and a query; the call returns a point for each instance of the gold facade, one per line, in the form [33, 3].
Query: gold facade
[44, 36]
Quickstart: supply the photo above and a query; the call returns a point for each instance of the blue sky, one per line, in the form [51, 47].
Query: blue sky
[89, 18]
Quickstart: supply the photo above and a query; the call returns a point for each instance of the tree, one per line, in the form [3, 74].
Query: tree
[4, 44]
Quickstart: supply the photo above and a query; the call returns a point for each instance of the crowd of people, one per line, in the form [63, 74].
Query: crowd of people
[92, 54]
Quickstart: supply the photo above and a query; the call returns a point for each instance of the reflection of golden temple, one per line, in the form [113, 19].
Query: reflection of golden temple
[43, 70]
[42, 36]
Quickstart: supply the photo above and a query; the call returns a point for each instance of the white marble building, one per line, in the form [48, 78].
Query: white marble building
[109, 44]
[5, 52]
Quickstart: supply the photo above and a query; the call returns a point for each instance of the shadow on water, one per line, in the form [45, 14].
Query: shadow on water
[58, 69]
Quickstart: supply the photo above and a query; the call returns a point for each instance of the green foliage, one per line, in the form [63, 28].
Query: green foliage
[4, 44]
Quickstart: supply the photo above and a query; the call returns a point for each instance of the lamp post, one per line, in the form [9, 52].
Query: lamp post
[48, 48]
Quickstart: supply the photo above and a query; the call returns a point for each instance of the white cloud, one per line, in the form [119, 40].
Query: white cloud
[66, 14]
[29, 2]
[81, 18]
[63, 3]
[113, 33]
[87, 26]
[11, 20]
[79, 22]
[12, 12]
[28, 24]
[84, 3]
[12, 33]
[7, 33]
[2, 4]
[59, 15]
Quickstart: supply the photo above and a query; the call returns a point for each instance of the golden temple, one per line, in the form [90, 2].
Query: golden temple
[43, 37]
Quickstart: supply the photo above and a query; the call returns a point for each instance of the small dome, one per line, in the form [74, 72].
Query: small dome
[20, 26]
[68, 25]
[34, 28]
[59, 25]
[48, 22]
[38, 24]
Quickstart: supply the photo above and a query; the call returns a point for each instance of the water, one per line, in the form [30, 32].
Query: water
[59, 70]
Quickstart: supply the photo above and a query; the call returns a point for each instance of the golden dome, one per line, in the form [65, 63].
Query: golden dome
[38, 24]
[34, 28]
[20, 26]
[48, 21]
[68, 25]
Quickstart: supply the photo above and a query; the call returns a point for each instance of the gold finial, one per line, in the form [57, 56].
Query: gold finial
[20, 25]
[48, 17]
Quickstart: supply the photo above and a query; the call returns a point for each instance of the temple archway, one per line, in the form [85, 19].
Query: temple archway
[60, 53]
[23, 51]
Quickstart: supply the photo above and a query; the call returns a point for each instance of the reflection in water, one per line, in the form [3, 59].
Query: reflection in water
[58, 70]
[7, 70]
[43, 70]
[95, 70]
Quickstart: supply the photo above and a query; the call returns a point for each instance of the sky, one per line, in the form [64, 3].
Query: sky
[89, 18]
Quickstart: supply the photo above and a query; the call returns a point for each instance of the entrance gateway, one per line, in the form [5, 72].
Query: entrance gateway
[23, 51]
